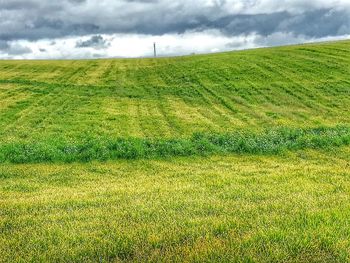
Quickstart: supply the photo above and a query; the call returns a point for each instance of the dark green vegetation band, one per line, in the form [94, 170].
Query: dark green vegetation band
[271, 141]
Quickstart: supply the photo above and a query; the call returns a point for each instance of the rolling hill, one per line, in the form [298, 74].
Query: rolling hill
[299, 86]
[59, 104]
[222, 157]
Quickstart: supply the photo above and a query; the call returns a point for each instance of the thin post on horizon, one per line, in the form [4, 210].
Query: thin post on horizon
[155, 49]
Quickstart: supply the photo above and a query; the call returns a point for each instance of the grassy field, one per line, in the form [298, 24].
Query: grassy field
[292, 208]
[298, 86]
[239, 156]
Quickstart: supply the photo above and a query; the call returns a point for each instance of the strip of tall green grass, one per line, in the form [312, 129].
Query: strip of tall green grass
[273, 141]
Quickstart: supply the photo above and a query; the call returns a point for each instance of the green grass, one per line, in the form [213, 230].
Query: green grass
[300, 86]
[272, 141]
[232, 157]
[292, 208]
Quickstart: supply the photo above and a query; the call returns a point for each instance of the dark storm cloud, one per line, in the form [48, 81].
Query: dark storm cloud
[38, 19]
[317, 23]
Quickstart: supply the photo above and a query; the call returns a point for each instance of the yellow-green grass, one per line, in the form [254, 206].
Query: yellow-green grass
[290, 208]
[297, 86]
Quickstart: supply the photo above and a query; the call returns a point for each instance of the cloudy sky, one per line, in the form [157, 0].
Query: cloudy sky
[40, 29]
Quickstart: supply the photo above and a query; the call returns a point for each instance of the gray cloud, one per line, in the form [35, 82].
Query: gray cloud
[18, 50]
[13, 49]
[4, 45]
[35, 20]
[96, 42]
[316, 23]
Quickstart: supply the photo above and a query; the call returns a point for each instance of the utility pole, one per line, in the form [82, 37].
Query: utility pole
[155, 49]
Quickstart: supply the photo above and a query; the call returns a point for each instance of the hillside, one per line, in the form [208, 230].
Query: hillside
[304, 86]
[231, 157]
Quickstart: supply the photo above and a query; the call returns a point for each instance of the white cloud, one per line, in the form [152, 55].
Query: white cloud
[135, 45]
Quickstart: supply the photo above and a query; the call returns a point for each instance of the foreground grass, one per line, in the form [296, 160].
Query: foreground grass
[287, 208]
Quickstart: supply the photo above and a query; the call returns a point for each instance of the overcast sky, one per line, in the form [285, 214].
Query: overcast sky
[127, 28]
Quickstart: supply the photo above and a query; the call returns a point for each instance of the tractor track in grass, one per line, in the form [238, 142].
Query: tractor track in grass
[177, 97]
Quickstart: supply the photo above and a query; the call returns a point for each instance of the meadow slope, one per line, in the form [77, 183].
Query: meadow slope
[304, 86]
[231, 157]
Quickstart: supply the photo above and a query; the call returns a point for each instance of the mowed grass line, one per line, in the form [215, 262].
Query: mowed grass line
[272, 141]
[298, 86]
[247, 208]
